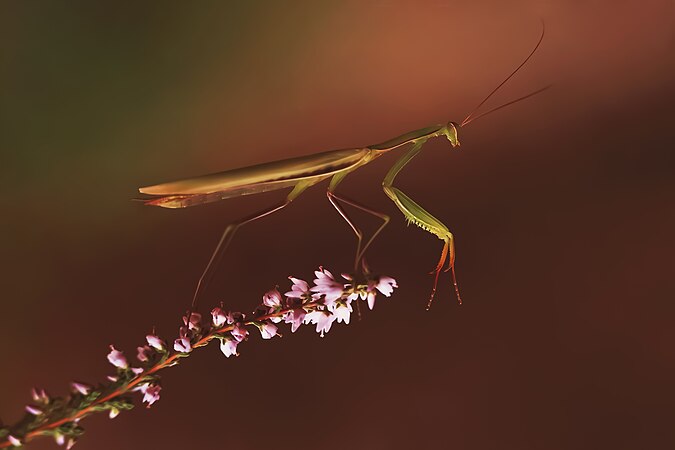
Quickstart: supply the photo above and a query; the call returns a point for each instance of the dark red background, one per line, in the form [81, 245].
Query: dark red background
[561, 207]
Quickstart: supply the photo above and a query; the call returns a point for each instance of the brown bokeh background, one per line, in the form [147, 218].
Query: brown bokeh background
[561, 207]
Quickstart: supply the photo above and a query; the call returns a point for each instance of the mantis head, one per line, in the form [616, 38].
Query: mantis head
[450, 132]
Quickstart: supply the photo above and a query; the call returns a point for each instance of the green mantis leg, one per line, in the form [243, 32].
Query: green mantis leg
[335, 199]
[419, 216]
[228, 234]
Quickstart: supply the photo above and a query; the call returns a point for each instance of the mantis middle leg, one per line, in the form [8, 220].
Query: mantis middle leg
[419, 216]
[228, 234]
[335, 199]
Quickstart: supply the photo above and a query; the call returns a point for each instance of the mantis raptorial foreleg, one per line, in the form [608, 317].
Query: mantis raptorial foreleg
[228, 234]
[419, 216]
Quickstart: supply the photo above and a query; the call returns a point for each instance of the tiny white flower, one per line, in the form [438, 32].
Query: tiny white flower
[182, 345]
[229, 347]
[268, 331]
[14, 441]
[295, 318]
[343, 312]
[371, 300]
[325, 285]
[300, 288]
[386, 285]
[114, 412]
[151, 394]
[322, 319]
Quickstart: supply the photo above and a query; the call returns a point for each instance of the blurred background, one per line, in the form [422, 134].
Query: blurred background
[562, 208]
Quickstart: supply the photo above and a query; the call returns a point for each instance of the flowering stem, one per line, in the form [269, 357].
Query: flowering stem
[321, 305]
[168, 362]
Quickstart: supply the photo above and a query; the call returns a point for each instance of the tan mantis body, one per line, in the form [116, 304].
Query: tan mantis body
[301, 173]
[305, 171]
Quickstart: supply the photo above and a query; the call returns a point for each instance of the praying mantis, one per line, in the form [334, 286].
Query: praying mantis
[302, 172]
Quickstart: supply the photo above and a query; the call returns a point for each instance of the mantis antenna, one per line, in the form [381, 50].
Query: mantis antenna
[470, 118]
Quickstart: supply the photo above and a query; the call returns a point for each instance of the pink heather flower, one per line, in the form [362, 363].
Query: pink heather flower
[80, 388]
[272, 299]
[155, 342]
[114, 412]
[70, 444]
[300, 289]
[295, 318]
[268, 330]
[326, 285]
[371, 299]
[112, 379]
[39, 395]
[219, 317]
[14, 441]
[239, 332]
[194, 322]
[322, 319]
[137, 370]
[234, 317]
[383, 284]
[182, 345]
[59, 438]
[342, 312]
[117, 358]
[151, 393]
[33, 410]
[143, 354]
[228, 347]
[386, 285]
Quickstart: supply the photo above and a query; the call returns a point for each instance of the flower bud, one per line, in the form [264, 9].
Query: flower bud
[80, 388]
[33, 410]
[219, 317]
[239, 332]
[155, 342]
[114, 412]
[143, 354]
[117, 359]
[272, 299]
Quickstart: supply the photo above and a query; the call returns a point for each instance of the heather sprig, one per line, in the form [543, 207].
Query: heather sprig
[328, 300]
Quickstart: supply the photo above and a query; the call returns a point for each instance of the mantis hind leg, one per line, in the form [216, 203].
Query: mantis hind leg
[335, 200]
[228, 234]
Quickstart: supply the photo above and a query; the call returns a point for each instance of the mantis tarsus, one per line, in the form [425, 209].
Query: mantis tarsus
[305, 171]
